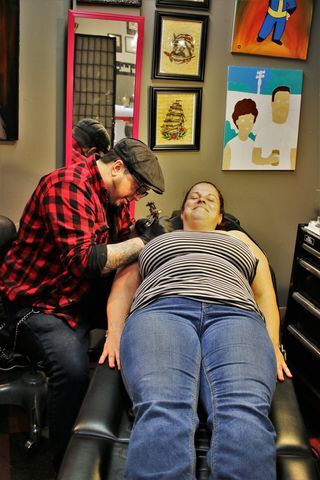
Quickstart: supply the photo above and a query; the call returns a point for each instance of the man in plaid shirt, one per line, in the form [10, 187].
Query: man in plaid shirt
[89, 137]
[74, 234]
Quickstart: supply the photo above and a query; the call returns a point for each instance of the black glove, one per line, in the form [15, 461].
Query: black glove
[141, 225]
[163, 225]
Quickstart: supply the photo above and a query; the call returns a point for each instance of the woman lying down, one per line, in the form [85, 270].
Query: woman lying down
[203, 326]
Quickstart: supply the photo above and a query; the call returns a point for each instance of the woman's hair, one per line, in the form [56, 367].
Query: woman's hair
[221, 200]
[244, 107]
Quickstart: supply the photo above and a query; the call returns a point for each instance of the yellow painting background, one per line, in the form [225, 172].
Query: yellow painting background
[170, 27]
[164, 101]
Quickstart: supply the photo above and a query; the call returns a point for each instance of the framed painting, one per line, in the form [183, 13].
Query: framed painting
[262, 118]
[192, 4]
[9, 70]
[118, 41]
[131, 28]
[179, 46]
[272, 27]
[124, 3]
[175, 118]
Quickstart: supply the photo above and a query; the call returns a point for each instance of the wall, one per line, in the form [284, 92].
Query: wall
[41, 103]
[269, 204]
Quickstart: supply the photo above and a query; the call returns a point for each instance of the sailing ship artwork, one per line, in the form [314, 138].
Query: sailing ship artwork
[173, 127]
[175, 118]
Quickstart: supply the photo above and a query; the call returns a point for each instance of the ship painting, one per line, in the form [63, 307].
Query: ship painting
[173, 125]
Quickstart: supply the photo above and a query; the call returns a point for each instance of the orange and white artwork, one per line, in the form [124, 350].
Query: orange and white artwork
[277, 28]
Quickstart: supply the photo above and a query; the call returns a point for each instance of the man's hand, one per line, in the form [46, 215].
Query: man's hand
[163, 225]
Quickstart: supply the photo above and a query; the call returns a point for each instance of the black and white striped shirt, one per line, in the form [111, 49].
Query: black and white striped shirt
[206, 266]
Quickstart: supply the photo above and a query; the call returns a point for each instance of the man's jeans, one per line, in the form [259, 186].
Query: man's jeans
[63, 352]
[176, 350]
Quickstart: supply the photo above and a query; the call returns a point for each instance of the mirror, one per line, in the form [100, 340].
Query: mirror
[104, 63]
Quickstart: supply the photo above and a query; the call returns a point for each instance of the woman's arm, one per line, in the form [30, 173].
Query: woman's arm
[126, 281]
[265, 297]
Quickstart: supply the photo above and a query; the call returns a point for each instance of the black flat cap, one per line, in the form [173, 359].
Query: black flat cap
[141, 161]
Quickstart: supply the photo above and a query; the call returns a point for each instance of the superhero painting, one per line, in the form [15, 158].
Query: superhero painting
[277, 28]
[9, 69]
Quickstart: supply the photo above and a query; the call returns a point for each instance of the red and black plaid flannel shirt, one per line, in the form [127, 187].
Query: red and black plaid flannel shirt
[77, 153]
[65, 217]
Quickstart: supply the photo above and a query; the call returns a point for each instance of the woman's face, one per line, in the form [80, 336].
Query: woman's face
[202, 208]
[245, 123]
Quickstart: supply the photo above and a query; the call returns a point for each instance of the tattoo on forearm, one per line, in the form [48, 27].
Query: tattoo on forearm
[119, 254]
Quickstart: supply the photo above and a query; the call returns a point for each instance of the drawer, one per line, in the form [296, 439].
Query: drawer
[305, 315]
[303, 358]
[309, 244]
[307, 279]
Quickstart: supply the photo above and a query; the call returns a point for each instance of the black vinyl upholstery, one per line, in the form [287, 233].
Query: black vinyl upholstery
[98, 446]
[24, 385]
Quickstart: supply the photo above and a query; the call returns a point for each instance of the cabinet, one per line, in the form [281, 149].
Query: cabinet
[301, 336]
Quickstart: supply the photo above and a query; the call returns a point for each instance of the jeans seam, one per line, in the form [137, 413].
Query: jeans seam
[211, 452]
[214, 420]
[194, 414]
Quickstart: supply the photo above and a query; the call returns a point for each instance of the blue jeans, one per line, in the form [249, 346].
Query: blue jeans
[177, 350]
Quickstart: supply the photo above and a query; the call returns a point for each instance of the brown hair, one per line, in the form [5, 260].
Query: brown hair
[243, 107]
[221, 200]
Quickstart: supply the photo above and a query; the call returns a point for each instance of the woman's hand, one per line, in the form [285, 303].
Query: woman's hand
[282, 367]
[111, 350]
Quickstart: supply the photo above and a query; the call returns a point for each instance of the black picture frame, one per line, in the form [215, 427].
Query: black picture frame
[120, 3]
[175, 118]
[170, 60]
[9, 72]
[192, 4]
[118, 41]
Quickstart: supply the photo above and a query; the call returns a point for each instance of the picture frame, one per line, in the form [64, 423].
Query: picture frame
[130, 45]
[118, 41]
[175, 118]
[179, 48]
[192, 4]
[258, 30]
[120, 3]
[9, 71]
[132, 28]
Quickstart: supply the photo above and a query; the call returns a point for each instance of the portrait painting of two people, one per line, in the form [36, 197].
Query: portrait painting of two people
[262, 118]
